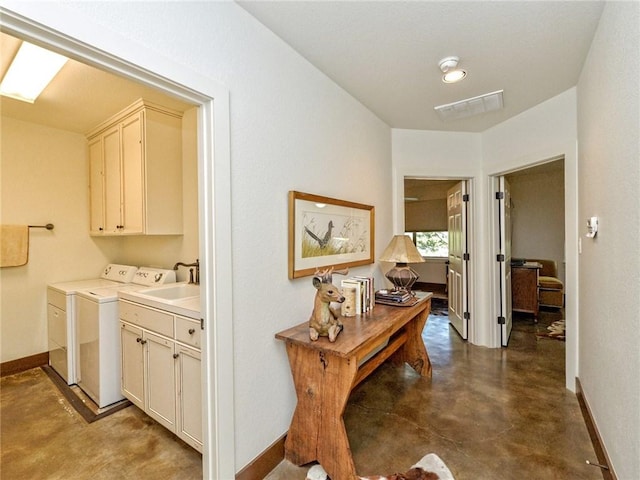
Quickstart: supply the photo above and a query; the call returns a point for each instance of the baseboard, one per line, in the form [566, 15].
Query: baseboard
[265, 462]
[596, 439]
[23, 364]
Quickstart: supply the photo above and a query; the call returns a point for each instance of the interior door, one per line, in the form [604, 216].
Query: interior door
[457, 201]
[503, 197]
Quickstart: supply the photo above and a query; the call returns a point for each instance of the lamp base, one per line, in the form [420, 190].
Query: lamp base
[402, 276]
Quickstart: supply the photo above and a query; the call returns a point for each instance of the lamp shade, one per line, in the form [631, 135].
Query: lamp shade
[401, 250]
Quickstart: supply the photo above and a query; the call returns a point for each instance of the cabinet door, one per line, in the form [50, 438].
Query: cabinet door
[161, 385]
[133, 187]
[96, 187]
[112, 182]
[132, 364]
[189, 396]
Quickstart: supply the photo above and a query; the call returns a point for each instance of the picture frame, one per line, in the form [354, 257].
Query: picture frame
[327, 232]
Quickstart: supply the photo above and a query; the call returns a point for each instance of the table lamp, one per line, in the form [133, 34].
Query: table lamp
[402, 251]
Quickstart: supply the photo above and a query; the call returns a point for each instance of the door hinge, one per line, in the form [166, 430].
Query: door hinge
[202, 324]
[502, 320]
[466, 256]
[499, 195]
[466, 315]
[465, 197]
[500, 257]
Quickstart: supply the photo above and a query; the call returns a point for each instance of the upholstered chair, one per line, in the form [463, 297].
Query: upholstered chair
[551, 288]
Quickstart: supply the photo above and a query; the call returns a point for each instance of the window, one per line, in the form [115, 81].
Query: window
[431, 244]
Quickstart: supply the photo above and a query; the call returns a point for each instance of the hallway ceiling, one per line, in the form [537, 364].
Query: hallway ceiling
[383, 53]
[386, 53]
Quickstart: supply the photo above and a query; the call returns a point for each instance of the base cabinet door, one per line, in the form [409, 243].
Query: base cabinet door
[132, 364]
[189, 396]
[160, 388]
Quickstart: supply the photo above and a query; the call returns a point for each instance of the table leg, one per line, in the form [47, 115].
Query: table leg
[414, 351]
[317, 431]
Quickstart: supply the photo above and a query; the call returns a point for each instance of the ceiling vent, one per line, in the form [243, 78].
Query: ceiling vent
[471, 106]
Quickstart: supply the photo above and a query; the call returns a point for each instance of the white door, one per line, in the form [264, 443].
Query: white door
[457, 201]
[503, 197]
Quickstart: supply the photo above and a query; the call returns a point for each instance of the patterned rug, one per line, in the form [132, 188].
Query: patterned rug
[555, 330]
[430, 467]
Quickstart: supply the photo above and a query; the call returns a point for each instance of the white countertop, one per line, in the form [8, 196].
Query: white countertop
[187, 307]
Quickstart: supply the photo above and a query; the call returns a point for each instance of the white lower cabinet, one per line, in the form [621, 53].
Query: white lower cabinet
[161, 370]
[132, 364]
[189, 396]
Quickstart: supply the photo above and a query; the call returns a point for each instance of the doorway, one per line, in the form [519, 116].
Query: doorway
[529, 232]
[437, 218]
[212, 100]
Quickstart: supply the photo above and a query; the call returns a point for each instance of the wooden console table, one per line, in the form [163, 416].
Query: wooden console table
[324, 374]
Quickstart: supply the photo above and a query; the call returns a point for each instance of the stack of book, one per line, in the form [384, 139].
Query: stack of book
[392, 297]
[359, 294]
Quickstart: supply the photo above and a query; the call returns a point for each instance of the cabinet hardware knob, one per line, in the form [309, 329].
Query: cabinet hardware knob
[100, 228]
[192, 331]
[142, 342]
[138, 339]
[175, 355]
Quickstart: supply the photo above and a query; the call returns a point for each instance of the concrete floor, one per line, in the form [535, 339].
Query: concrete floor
[495, 414]
[44, 438]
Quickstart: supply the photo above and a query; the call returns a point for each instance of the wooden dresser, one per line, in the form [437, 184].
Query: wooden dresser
[524, 288]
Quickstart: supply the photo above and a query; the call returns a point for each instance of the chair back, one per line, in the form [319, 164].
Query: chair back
[549, 267]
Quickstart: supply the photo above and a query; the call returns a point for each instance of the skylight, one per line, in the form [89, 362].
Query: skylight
[30, 72]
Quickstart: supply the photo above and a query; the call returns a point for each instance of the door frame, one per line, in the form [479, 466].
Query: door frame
[569, 154]
[117, 55]
[398, 192]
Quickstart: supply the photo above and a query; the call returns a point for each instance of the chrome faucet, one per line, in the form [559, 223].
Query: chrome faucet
[195, 264]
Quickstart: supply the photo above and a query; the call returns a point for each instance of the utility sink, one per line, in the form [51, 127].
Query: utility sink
[172, 293]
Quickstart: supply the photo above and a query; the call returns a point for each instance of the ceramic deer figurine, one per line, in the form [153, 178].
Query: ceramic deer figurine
[325, 320]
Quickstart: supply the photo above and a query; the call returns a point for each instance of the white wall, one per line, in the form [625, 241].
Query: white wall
[537, 217]
[446, 155]
[291, 128]
[609, 181]
[44, 180]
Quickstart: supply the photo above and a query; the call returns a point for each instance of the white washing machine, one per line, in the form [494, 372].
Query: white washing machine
[99, 334]
[61, 317]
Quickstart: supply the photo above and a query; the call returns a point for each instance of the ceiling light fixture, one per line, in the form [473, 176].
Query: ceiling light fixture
[449, 66]
[30, 72]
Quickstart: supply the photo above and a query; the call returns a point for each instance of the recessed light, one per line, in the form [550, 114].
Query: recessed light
[454, 76]
[449, 66]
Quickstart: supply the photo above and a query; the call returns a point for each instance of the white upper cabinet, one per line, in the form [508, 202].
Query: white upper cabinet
[135, 172]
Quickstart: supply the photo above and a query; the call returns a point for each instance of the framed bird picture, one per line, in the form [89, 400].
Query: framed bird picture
[325, 232]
